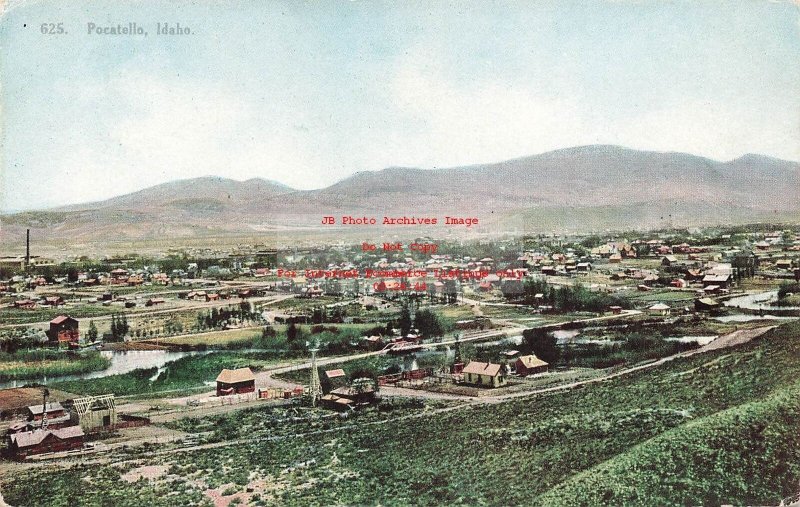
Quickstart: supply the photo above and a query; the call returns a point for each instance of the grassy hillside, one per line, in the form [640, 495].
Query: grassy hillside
[749, 453]
[710, 429]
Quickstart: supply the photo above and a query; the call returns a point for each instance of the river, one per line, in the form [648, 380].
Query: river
[759, 301]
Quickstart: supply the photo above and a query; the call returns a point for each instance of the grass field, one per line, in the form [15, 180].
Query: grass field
[232, 338]
[711, 429]
[665, 296]
[34, 364]
[17, 316]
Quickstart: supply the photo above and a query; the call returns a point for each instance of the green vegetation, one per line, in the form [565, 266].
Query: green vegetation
[634, 349]
[185, 373]
[37, 363]
[566, 298]
[664, 296]
[788, 294]
[709, 429]
[289, 421]
[19, 316]
[749, 455]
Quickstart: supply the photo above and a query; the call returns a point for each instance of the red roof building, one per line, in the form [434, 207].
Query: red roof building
[21, 445]
[239, 381]
[64, 330]
[529, 365]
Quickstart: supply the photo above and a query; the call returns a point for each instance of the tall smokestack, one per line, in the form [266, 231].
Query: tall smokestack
[27, 247]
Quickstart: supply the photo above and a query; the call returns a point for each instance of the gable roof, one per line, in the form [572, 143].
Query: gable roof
[716, 278]
[335, 373]
[531, 361]
[479, 368]
[61, 319]
[36, 437]
[235, 376]
[52, 406]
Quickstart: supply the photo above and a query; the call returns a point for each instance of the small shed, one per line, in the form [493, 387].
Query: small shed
[669, 260]
[659, 309]
[529, 365]
[238, 381]
[706, 305]
[719, 281]
[57, 415]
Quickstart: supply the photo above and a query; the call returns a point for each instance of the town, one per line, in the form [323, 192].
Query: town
[107, 360]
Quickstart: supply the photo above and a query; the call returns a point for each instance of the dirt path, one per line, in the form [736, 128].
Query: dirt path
[725, 341]
[265, 300]
[732, 339]
[728, 340]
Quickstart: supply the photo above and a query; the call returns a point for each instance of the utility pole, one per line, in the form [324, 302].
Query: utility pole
[45, 394]
[315, 387]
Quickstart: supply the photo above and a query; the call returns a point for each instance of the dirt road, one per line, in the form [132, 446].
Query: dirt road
[264, 300]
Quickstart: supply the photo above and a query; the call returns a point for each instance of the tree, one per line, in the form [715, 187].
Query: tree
[268, 332]
[91, 335]
[114, 327]
[543, 344]
[291, 332]
[457, 358]
[123, 325]
[318, 315]
[404, 322]
[428, 323]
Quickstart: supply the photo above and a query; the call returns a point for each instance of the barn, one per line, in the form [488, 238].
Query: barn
[40, 441]
[528, 365]
[238, 381]
[63, 330]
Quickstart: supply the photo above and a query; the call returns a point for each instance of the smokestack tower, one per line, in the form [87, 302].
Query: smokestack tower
[27, 248]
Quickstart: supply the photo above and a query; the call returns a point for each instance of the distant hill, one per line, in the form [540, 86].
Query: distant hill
[582, 188]
[209, 190]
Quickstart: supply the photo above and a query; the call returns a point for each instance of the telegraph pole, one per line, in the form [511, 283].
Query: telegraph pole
[315, 387]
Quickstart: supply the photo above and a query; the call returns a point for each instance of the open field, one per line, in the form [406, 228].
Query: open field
[13, 316]
[216, 339]
[665, 296]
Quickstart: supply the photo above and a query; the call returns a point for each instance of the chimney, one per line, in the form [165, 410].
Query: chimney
[27, 247]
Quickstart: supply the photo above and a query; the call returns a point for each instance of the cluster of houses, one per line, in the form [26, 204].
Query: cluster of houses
[487, 374]
[53, 426]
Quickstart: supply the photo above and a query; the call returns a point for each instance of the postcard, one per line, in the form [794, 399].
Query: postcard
[392, 253]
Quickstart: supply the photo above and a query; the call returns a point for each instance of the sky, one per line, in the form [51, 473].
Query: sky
[308, 93]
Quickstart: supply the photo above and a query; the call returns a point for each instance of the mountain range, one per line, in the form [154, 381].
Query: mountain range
[576, 189]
